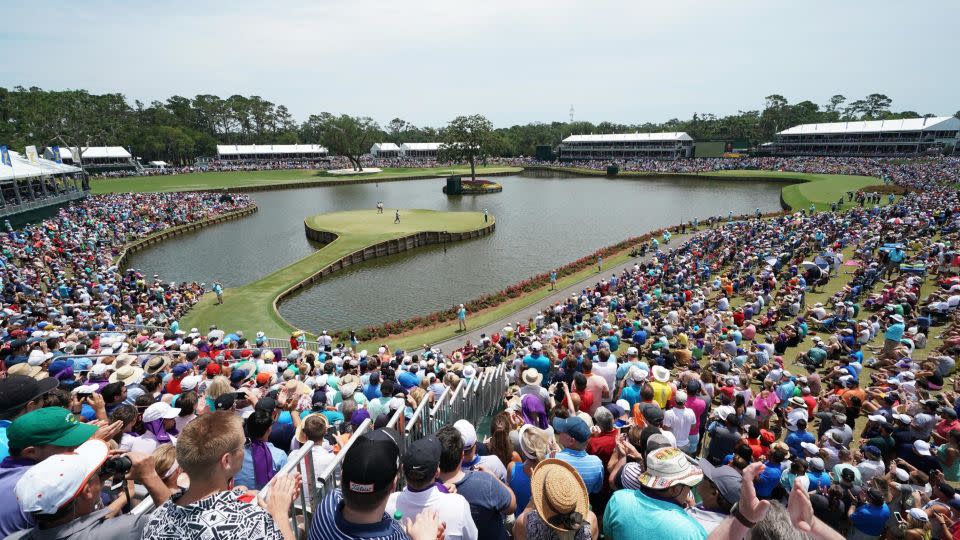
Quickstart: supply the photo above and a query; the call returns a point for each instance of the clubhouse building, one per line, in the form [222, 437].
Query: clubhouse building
[271, 152]
[626, 146]
[102, 156]
[873, 138]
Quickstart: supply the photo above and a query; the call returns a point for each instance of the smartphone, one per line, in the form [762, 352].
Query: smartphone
[241, 395]
[898, 517]
[625, 429]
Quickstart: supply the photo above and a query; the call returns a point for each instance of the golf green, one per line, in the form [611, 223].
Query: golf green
[353, 236]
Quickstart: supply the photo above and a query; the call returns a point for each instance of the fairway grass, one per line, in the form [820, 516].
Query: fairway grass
[250, 307]
[263, 179]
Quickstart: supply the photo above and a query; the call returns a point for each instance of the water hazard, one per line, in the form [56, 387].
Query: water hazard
[543, 221]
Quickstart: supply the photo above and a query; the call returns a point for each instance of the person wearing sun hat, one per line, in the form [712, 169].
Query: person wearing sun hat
[62, 493]
[655, 509]
[559, 504]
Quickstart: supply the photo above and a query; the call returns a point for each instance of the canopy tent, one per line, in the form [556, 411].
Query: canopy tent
[90, 152]
[21, 167]
[158, 164]
[936, 123]
[628, 137]
[266, 150]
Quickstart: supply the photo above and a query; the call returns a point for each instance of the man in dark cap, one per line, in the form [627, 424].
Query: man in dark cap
[19, 395]
[420, 465]
[368, 477]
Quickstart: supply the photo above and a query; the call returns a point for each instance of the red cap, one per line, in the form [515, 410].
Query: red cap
[245, 353]
[213, 369]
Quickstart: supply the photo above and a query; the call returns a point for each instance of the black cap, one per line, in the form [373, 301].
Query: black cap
[225, 402]
[266, 403]
[371, 463]
[422, 457]
[653, 415]
[18, 390]
[17, 343]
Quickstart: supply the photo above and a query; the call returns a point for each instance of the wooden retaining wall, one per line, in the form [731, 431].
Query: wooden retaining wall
[382, 249]
[325, 181]
[143, 243]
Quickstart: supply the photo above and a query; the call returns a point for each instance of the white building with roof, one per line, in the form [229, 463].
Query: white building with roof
[255, 152]
[385, 150]
[419, 150]
[876, 138]
[92, 155]
[623, 146]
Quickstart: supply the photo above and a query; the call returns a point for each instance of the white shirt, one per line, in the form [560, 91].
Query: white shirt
[607, 370]
[679, 421]
[454, 510]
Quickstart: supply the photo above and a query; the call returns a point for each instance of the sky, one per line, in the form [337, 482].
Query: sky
[515, 61]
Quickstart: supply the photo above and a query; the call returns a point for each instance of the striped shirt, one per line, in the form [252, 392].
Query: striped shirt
[588, 465]
[328, 524]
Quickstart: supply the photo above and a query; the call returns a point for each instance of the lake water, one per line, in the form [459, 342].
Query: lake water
[544, 220]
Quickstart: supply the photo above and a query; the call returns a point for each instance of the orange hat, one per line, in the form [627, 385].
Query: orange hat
[264, 378]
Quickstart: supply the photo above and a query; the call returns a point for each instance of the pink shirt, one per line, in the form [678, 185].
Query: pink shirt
[697, 405]
[766, 405]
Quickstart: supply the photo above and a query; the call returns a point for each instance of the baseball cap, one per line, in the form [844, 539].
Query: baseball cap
[18, 390]
[422, 457]
[371, 463]
[726, 478]
[467, 432]
[921, 447]
[668, 467]
[54, 426]
[573, 426]
[872, 450]
[536, 345]
[225, 401]
[266, 403]
[213, 369]
[57, 480]
[160, 410]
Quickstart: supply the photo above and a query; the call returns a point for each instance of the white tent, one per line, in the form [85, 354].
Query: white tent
[21, 167]
[384, 148]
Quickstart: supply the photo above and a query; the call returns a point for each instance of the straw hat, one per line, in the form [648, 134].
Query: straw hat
[157, 364]
[127, 375]
[559, 495]
[298, 434]
[532, 376]
[23, 368]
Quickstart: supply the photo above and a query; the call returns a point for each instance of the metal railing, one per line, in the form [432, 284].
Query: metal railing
[472, 400]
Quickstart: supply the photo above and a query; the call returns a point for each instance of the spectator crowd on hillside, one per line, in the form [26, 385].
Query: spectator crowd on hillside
[767, 378]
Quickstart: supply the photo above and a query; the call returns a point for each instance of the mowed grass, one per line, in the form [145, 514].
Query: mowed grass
[242, 179]
[250, 307]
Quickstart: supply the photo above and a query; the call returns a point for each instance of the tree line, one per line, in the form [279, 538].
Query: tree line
[181, 129]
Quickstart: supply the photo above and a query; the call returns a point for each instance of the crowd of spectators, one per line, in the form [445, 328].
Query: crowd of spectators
[709, 390]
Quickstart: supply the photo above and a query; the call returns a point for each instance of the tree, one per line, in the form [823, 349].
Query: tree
[397, 128]
[466, 138]
[835, 103]
[956, 114]
[872, 107]
[347, 135]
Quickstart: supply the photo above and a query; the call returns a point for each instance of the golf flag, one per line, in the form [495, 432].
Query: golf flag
[56, 154]
[31, 152]
[5, 156]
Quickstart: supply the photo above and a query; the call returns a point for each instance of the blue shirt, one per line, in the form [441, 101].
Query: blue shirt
[768, 480]
[328, 524]
[488, 498]
[818, 480]
[871, 519]
[520, 484]
[540, 363]
[589, 466]
[894, 332]
[632, 514]
[796, 438]
[246, 476]
[4, 442]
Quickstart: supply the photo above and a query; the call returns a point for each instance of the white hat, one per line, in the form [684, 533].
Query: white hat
[921, 447]
[467, 432]
[85, 389]
[57, 480]
[160, 409]
[189, 383]
[632, 351]
[38, 357]
[469, 372]
[661, 373]
[901, 475]
[680, 397]
[99, 369]
[810, 448]
[897, 318]
[531, 376]
[536, 345]
[638, 375]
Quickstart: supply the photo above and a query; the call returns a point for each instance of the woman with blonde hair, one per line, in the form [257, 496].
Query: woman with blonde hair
[917, 525]
[534, 445]
[165, 463]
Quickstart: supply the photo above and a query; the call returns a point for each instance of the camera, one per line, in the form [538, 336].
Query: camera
[116, 466]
